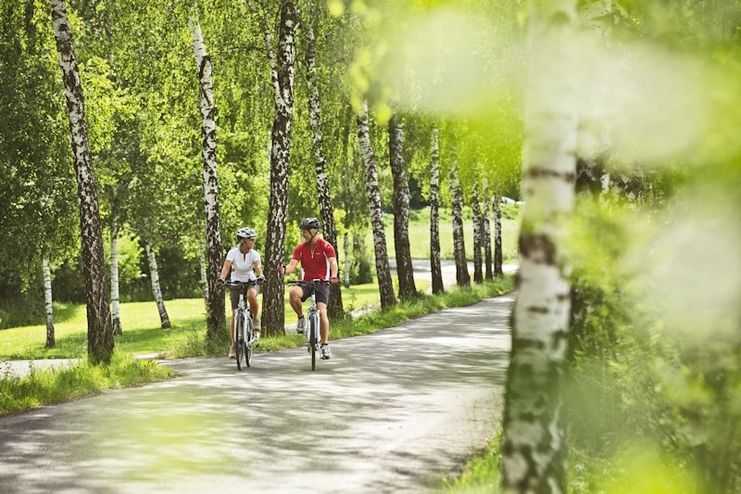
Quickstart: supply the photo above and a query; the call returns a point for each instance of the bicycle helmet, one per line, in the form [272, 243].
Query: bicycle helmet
[246, 232]
[310, 224]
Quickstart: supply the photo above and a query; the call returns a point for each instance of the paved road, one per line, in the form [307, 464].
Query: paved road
[391, 412]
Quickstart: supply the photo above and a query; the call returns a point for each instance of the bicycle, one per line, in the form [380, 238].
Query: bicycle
[243, 335]
[312, 332]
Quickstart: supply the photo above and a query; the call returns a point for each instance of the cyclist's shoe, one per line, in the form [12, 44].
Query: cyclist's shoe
[326, 352]
[301, 326]
[233, 351]
[256, 324]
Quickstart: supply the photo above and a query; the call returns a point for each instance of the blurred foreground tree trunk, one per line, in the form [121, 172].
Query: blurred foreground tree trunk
[533, 449]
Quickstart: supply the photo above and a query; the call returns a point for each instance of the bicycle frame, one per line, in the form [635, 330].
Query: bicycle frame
[313, 332]
[244, 337]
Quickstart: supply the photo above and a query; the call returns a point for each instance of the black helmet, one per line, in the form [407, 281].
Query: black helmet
[310, 224]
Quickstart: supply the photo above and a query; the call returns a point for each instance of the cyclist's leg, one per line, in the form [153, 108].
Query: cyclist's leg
[296, 297]
[254, 307]
[323, 320]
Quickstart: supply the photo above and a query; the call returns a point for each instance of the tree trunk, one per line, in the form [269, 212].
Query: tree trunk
[497, 237]
[282, 68]
[533, 447]
[203, 261]
[486, 234]
[334, 308]
[156, 291]
[215, 318]
[478, 271]
[435, 268]
[346, 253]
[459, 246]
[99, 327]
[383, 272]
[49, 308]
[115, 305]
[404, 267]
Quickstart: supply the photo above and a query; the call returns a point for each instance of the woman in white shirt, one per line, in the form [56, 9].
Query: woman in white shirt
[244, 262]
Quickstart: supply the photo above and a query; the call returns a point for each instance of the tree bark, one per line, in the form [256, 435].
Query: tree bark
[486, 234]
[478, 271]
[282, 70]
[115, 302]
[48, 306]
[215, 318]
[346, 253]
[459, 246]
[154, 276]
[435, 268]
[334, 308]
[383, 272]
[203, 262]
[99, 326]
[533, 447]
[404, 267]
[497, 237]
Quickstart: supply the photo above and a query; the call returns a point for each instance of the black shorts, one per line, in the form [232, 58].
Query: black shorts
[322, 291]
[234, 295]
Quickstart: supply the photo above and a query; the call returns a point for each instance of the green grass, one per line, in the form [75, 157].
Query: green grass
[43, 387]
[480, 474]
[419, 235]
[142, 333]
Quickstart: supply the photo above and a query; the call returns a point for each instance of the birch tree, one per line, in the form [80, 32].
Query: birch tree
[497, 214]
[383, 271]
[115, 305]
[478, 272]
[533, 446]
[100, 329]
[435, 268]
[215, 319]
[334, 308]
[486, 234]
[48, 306]
[400, 199]
[154, 277]
[282, 71]
[459, 246]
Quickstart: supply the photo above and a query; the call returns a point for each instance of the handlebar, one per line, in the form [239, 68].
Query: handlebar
[316, 281]
[241, 284]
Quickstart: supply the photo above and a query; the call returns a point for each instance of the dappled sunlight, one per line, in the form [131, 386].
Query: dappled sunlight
[374, 417]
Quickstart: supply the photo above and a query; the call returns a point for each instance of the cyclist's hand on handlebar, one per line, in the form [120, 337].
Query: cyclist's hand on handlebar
[220, 281]
[281, 270]
[334, 280]
[260, 279]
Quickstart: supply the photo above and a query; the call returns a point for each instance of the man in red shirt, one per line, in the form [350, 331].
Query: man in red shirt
[318, 261]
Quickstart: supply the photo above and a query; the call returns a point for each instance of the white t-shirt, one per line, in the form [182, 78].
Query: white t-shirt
[243, 264]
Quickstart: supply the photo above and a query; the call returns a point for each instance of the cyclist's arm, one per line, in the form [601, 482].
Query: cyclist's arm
[333, 267]
[257, 268]
[225, 269]
[291, 267]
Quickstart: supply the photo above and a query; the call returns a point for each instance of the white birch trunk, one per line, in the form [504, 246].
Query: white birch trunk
[533, 447]
[383, 271]
[99, 327]
[486, 234]
[334, 308]
[498, 255]
[204, 280]
[115, 299]
[215, 318]
[154, 276]
[48, 306]
[435, 268]
[459, 246]
[478, 272]
[400, 199]
[346, 258]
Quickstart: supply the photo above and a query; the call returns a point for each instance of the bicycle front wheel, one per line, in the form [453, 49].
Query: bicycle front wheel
[313, 331]
[238, 330]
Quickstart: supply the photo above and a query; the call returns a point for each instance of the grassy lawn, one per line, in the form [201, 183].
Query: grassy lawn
[419, 235]
[142, 333]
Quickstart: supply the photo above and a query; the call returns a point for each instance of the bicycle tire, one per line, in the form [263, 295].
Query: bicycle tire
[313, 340]
[247, 344]
[239, 341]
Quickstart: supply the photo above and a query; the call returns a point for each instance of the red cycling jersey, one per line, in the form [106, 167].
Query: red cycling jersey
[314, 261]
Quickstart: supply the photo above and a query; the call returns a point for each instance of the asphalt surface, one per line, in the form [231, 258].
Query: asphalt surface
[391, 412]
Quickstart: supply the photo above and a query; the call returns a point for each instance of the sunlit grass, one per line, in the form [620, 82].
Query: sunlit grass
[43, 387]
